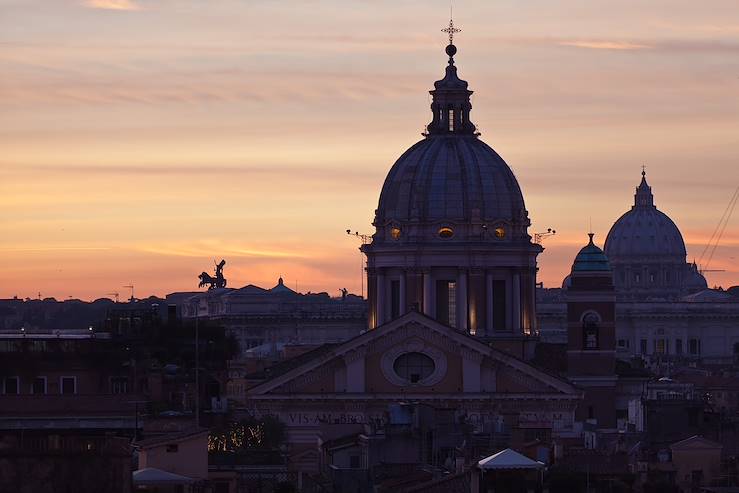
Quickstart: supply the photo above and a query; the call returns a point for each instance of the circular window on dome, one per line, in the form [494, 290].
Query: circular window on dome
[500, 232]
[395, 232]
[414, 367]
[446, 232]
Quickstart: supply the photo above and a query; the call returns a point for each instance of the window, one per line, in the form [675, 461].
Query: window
[590, 330]
[651, 278]
[39, 386]
[643, 346]
[446, 232]
[118, 385]
[451, 120]
[499, 304]
[11, 386]
[660, 346]
[500, 232]
[395, 233]
[452, 303]
[637, 278]
[10, 346]
[623, 343]
[679, 346]
[414, 367]
[172, 447]
[694, 346]
[68, 385]
[446, 302]
[38, 346]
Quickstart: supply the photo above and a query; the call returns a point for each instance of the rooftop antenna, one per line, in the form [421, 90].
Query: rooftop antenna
[719, 231]
[130, 286]
[538, 237]
[366, 239]
[116, 294]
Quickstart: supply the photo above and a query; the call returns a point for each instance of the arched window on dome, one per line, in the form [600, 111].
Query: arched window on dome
[451, 120]
[590, 329]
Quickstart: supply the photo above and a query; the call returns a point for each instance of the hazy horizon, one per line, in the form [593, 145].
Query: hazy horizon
[143, 139]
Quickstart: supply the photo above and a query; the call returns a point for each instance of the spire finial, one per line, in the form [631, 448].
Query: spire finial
[590, 235]
[644, 170]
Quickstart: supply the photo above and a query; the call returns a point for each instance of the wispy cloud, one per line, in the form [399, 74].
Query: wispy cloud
[605, 45]
[206, 249]
[53, 248]
[112, 4]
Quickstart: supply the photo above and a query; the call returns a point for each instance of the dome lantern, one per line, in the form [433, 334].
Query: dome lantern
[451, 105]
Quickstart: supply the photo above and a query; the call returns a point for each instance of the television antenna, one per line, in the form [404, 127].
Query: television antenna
[365, 239]
[130, 286]
[718, 232]
[539, 237]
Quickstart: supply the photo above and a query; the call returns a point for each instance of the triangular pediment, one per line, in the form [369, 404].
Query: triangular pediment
[695, 443]
[415, 329]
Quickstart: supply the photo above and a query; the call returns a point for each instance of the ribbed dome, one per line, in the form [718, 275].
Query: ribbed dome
[591, 259]
[644, 231]
[450, 178]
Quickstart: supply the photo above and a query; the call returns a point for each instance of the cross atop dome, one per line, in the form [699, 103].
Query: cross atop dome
[451, 31]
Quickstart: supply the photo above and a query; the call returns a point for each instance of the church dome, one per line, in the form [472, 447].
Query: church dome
[591, 259]
[645, 231]
[457, 178]
[451, 178]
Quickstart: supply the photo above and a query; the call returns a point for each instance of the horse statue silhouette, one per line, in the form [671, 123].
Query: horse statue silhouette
[213, 282]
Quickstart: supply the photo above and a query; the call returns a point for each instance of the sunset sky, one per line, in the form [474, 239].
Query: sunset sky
[142, 139]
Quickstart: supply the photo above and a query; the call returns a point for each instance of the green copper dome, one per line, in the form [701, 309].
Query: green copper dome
[591, 259]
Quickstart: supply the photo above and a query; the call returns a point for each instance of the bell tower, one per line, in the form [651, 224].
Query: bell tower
[591, 334]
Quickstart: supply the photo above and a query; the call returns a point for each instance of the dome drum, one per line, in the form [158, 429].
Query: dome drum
[501, 232]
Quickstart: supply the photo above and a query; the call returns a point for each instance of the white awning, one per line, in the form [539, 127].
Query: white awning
[152, 475]
[508, 459]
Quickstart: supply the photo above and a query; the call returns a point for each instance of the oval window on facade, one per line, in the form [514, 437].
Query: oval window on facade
[414, 367]
[500, 232]
[446, 232]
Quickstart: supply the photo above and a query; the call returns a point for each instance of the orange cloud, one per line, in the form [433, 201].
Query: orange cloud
[112, 4]
[605, 45]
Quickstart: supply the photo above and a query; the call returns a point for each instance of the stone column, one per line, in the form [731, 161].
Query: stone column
[402, 302]
[489, 303]
[371, 299]
[381, 298]
[462, 300]
[428, 298]
[516, 315]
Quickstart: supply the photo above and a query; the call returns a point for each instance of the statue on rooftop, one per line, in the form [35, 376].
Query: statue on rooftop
[213, 282]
